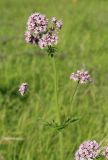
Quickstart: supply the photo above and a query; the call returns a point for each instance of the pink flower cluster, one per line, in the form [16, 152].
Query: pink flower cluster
[106, 152]
[39, 33]
[23, 88]
[57, 24]
[48, 39]
[81, 76]
[37, 23]
[30, 38]
[88, 150]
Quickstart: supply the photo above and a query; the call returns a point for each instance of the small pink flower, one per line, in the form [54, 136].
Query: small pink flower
[81, 76]
[59, 24]
[23, 88]
[54, 19]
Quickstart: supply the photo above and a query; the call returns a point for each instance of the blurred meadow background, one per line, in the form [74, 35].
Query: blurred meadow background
[83, 43]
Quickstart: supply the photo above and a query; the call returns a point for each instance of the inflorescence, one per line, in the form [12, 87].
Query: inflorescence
[91, 150]
[106, 152]
[88, 150]
[38, 31]
[23, 88]
[81, 76]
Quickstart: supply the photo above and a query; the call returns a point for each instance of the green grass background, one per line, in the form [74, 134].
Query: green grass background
[83, 43]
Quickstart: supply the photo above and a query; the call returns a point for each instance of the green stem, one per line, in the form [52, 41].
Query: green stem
[57, 108]
[71, 102]
[56, 89]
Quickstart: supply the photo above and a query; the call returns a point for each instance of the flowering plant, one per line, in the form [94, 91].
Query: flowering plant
[45, 35]
[40, 33]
